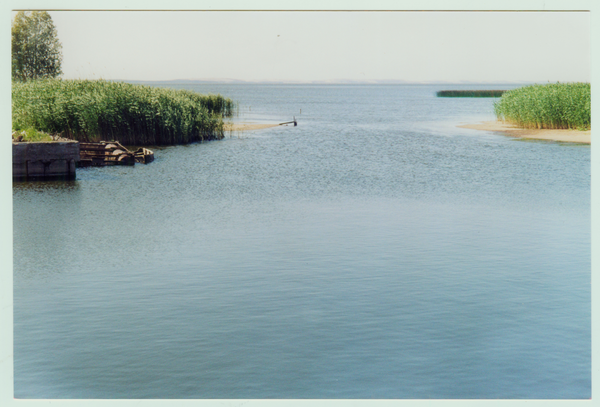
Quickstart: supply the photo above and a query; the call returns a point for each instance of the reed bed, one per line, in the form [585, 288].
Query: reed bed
[139, 115]
[551, 106]
[470, 93]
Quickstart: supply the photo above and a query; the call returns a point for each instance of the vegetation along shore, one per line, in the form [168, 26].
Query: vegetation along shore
[560, 112]
[551, 106]
[94, 110]
[470, 93]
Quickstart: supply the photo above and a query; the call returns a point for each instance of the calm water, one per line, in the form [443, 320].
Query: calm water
[374, 251]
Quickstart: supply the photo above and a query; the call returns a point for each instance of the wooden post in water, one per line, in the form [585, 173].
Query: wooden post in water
[293, 121]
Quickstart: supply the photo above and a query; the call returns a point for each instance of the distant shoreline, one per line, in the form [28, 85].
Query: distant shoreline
[565, 135]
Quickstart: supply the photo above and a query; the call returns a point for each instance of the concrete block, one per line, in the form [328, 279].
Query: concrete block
[19, 151]
[56, 168]
[54, 150]
[19, 170]
[45, 159]
[35, 169]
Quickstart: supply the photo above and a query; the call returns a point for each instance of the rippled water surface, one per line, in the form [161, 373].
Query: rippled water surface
[373, 251]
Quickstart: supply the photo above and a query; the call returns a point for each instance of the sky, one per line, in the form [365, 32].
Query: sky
[295, 46]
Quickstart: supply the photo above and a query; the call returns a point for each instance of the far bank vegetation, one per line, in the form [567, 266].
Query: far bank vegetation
[470, 93]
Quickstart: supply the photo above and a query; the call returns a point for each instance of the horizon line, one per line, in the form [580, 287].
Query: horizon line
[332, 82]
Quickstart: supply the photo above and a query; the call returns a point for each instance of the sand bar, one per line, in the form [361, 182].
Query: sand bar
[571, 136]
[247, 126]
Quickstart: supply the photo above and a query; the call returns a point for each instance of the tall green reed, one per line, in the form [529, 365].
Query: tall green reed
[132, 114]
[494, 93]
[551, 106]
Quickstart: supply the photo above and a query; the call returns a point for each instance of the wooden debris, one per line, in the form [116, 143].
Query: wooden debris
[143, 155]
[111, 153]
[293, 121]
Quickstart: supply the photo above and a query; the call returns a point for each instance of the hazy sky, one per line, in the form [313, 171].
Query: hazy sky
[326, 46]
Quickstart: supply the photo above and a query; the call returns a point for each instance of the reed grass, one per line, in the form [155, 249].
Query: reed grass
[551, 106]
[470, 93]
[138, 115]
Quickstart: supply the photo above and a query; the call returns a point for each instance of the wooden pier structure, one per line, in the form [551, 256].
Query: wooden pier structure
[112, 153]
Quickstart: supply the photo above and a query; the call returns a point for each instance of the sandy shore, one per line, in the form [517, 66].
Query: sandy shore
[572, 136]
[247, 126]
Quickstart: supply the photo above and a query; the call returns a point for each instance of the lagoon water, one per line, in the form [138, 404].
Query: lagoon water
[373, 251]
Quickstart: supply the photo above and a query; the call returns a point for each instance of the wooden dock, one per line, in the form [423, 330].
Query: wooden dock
[105, 153]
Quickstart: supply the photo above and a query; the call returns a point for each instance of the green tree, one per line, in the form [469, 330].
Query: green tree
[36, 51]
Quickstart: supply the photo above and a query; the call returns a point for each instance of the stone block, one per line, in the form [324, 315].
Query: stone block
[55, 150]
[19, 151]
[35, 169]
[45, 159]
[19, 170]
[72, 168]
[56, 168]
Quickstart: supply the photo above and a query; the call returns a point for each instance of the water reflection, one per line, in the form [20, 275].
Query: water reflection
[42, 185]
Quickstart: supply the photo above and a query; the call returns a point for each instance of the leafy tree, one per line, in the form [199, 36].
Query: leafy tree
[36, 51]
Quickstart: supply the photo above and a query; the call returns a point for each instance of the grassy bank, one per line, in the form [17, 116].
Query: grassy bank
[552, 106]
[31, 135]
[132, 114]
[470, 93]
